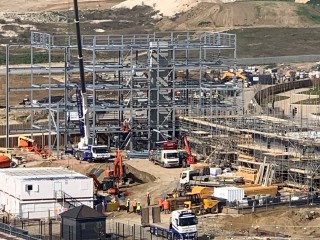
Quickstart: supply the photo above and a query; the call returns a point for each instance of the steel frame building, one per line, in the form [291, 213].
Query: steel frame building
[145, 81]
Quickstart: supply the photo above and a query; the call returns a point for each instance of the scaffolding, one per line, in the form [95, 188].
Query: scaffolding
[135, 83]
[163, 81]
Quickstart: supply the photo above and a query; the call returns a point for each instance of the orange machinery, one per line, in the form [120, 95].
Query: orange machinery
[32, 146]
[117, 174]
[5, 161]
[113, 178]
[190, 158]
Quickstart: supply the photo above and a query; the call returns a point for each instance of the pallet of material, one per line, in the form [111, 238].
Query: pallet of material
[176, 203]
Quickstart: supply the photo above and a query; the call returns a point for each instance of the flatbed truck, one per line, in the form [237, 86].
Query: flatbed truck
[183, 226]
[189, 178]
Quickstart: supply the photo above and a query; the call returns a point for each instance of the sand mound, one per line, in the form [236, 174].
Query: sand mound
[166, 7]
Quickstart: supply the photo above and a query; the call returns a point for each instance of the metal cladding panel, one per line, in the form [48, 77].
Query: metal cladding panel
[159, 44]
[231, 194]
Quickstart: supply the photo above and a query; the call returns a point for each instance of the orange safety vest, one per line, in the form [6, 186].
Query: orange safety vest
[134, 203]
[160, 202]
[166, 205]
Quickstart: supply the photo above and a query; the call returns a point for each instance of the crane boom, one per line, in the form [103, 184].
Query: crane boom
[85, 118]
[190, 158]
[186, 143]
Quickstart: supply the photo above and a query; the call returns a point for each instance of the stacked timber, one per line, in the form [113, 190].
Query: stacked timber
[259, 190]
[248, 174]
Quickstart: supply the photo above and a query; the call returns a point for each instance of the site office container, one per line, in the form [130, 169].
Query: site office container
[26, 192]
[231, 194]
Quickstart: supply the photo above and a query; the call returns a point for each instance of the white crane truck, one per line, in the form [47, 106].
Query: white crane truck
[86, 149]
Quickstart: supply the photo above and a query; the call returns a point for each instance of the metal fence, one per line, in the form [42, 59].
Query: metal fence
[272, 60]
[122, 231]
[266, 203]
[17, 232]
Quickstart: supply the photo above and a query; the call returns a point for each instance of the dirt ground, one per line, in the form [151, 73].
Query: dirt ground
[49, 5]
[297, 222]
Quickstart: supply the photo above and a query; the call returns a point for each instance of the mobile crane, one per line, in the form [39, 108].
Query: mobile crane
[86, 149]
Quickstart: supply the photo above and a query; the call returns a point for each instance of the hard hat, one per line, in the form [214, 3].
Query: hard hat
[135, 199]
[128, 198]
[138, 202]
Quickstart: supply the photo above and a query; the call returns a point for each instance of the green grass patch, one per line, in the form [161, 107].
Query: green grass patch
[268, 42]
[312, 91]
[311, 101]
[203, 24]
[25, 58]
[312, 14]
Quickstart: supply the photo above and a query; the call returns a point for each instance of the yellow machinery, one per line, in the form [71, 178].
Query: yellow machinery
[229, 76]
[198, 201]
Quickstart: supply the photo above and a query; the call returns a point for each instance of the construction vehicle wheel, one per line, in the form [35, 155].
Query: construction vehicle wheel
[13, 165]
[184, 164]
[212, 210]
[187, 187]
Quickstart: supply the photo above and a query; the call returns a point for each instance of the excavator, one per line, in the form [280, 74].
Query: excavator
[113, 178]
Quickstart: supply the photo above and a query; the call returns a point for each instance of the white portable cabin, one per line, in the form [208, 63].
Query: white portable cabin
[43, 192]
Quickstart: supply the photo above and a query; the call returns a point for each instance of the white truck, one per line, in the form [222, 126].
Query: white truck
[183, 226]
[165, 158]
[190, 178]
[94, 153]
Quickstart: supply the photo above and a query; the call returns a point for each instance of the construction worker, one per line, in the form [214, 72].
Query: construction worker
[160, 204]
[166, 206]
[134, 205]
[148, 198]
[128, 205]
[139, 208]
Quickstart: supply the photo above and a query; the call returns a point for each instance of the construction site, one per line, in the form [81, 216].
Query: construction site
[156, 136]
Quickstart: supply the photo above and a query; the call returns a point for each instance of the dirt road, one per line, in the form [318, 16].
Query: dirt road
[167, 180]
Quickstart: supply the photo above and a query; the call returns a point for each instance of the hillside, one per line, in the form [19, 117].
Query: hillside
[246, 14]
[264, 28]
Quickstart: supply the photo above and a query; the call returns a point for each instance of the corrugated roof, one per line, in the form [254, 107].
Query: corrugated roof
[40, 173]
[82, 212]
